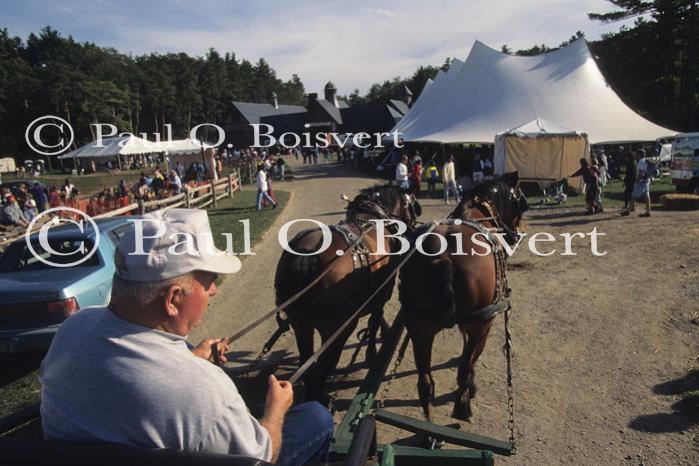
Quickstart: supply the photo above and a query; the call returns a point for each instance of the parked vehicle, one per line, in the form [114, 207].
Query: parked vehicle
[35, 298]
[685, 162]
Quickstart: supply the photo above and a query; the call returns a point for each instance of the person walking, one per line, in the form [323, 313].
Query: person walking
[591, 181]
[432, 178]
[281, 167]
[402, 173]
[449, 180]
[641, 189]
[629, 181]
[416, 176]
[263, 188]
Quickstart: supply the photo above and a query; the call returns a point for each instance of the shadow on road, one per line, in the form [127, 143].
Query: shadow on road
[685, 412]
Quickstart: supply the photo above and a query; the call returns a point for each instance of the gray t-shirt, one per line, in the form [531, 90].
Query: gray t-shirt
[108, 380]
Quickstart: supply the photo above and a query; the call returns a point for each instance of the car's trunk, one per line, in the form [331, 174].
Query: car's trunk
[28, 298]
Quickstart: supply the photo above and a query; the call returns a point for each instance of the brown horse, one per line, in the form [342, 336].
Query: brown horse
[440, 290]
[353, 278]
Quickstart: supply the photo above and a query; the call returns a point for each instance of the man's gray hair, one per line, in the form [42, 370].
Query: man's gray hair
[141, 294]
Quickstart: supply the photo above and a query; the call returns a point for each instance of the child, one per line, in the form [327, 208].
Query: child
[432, 178]
[591, 180]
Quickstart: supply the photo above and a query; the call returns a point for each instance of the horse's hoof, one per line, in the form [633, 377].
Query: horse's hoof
[462, 413]
[473, 389]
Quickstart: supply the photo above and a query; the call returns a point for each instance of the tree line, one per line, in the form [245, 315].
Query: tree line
[49, 74]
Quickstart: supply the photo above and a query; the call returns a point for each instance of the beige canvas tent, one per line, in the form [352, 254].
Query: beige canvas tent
[540, 151]
[7, 165]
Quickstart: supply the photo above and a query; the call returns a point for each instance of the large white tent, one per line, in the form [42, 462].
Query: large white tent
[182, 146]
[113, 147]
[540, 151]
[493, 91]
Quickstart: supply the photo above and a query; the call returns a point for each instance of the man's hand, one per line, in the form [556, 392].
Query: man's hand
[280, 396]
[204, 349]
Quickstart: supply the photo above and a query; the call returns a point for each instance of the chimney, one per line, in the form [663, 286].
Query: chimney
[276, 101]
[331, 94]
[407, 96]
[312, 97]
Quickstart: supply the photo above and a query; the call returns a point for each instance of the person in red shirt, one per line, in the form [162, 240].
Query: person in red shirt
[416, 177]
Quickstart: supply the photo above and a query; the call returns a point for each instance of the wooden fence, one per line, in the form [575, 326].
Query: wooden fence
[199, 197]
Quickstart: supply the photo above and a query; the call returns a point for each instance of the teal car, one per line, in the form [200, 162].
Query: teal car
[35, 297]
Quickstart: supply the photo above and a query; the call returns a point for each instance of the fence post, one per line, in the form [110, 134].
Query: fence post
[186, 197]
[230, 185]
[250, 172]
[141, 207]
[240, 180]
[213, 192]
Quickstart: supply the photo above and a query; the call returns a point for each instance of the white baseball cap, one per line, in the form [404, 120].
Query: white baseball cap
[166, 244]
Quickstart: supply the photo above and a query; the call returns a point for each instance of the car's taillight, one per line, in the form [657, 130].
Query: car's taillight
[67, 306]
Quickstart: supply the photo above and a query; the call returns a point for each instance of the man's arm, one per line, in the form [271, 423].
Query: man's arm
[280, 396]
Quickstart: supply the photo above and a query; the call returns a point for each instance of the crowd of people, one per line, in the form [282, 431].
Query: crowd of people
[597, 172]
[410, 173]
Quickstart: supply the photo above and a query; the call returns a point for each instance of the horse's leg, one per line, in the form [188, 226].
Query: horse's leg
[303, 332]
[327, 361]
[475, 336]
[372, 328]
[422, 334]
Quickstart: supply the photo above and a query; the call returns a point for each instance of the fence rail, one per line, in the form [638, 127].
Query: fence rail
[196, 197]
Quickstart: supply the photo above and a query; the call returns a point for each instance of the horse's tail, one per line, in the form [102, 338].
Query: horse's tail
[295, 271]
[426, 289]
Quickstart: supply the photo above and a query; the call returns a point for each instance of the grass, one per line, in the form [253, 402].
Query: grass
[225, 218]
[23, 392]
[613, 194]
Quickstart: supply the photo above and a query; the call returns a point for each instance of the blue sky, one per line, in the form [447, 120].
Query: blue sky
[352, 43]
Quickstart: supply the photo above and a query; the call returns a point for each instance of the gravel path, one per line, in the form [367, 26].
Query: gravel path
[603, 344]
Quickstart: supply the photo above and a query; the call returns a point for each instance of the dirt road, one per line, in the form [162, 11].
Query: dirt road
[606, 366]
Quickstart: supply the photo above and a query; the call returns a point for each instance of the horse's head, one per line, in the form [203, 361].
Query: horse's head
[506, 199]
[386, 201]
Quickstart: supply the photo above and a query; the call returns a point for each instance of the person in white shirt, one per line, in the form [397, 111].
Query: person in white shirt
[641, 190]
[402, 173]
[263, 188]
[449, 180]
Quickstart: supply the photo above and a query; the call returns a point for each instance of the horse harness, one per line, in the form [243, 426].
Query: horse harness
[501, 300]
[361, 260]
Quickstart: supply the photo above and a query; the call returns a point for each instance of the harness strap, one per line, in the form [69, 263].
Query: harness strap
[487, 313]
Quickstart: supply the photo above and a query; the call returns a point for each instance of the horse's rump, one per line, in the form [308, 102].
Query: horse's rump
[425, 289]
[295, 271]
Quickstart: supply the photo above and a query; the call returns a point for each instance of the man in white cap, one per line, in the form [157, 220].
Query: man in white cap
[125, 373]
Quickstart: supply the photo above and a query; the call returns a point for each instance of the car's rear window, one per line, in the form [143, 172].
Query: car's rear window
[63, 251]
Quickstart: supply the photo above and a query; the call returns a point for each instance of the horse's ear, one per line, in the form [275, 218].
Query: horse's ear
[510, 179]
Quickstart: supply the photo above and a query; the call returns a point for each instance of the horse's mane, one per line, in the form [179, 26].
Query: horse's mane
[492, 190]
[388, 196]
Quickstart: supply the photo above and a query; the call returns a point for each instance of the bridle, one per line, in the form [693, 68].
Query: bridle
[372, 205]
[516, 198]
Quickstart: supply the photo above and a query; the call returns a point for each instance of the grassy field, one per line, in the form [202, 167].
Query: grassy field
[20, 378]
[613, 196]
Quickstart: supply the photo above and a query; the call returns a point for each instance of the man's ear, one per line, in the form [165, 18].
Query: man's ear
[171, 300]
